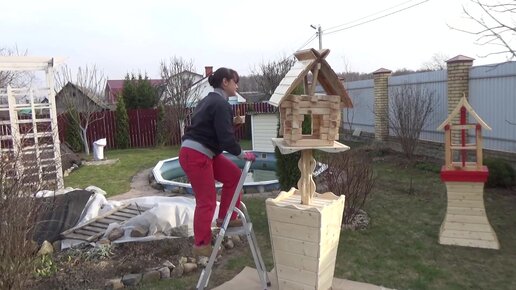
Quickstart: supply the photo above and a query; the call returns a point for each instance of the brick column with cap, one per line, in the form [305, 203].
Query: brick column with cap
[381, 104]
[458, 85]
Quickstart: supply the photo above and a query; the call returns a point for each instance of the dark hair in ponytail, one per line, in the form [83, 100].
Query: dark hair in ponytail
[220, 74]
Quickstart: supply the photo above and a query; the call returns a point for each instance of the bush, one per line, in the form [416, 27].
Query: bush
[18, 217]
[501, 174]
[427, 166]
[122, 125]
[286, 169]
[161, 132]
[73, 135]
[351, 174]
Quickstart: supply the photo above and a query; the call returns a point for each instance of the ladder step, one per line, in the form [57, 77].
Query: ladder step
[239, 230]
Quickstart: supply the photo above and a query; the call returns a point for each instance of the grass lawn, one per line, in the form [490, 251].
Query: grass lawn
[117, 177]
[398, 250]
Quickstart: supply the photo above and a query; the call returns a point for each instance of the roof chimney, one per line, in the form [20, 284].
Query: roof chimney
[208, 70]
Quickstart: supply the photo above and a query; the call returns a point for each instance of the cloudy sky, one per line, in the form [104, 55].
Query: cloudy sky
[131, 36]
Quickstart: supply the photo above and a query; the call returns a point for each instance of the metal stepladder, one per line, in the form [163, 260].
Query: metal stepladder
[246, 228]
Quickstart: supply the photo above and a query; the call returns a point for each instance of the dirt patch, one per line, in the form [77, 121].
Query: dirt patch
[89, 268]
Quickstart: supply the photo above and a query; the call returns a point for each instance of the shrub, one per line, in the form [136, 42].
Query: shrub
[18, 217]
[161, 132]
[122, 125]
[351, 174]
[286, 169]
[427, 166]
[73, 135]
[501, 174]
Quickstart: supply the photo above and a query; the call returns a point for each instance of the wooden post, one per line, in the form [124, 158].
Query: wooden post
[447, 150]
[306, 183]
[479, 147]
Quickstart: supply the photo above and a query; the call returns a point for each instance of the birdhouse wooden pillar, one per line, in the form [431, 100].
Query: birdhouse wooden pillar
[465, 223]
[305, 225]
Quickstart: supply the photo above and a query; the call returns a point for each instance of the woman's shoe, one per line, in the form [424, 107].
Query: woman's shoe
[203, 250]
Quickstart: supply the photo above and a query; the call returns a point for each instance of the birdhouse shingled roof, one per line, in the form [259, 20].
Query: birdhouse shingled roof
[307, 60]
[464, 103]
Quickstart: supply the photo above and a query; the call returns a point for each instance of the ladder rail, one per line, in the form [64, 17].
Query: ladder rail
[248, 230]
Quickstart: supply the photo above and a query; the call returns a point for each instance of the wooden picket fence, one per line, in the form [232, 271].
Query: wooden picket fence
[143, 126]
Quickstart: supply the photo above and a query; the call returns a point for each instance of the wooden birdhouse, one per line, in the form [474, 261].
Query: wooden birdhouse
[463, 130]
[322, 110]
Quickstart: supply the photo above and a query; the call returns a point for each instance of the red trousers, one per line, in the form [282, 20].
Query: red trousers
[202, 173]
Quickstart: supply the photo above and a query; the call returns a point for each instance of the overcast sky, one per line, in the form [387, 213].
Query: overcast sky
[131, 36]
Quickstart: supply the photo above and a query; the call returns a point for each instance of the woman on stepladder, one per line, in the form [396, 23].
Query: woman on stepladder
[211, 132]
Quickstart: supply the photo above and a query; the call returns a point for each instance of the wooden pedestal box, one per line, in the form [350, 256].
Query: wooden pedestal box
[305, 238]
[466, 223]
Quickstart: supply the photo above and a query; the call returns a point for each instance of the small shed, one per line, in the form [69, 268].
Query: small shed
[263, 126]
[323, 111]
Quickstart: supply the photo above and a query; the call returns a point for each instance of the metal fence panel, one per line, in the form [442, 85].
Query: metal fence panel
[492, 93]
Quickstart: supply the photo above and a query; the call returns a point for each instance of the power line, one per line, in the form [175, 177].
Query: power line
[308, 41]
[373, 14]
[376, 18]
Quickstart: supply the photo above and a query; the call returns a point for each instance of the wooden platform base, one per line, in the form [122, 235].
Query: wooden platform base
[305, 238]
[466, 223]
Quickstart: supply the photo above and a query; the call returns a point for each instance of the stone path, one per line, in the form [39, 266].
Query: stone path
[140, 187]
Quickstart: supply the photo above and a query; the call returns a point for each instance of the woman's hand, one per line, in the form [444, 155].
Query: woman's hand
[249, 156]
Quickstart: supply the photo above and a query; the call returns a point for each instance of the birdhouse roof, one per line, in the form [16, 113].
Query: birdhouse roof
[307, 60]
[456, 112]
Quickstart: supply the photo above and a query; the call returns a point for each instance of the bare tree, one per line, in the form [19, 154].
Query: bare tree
[410, 108]
[14, 78]
[437, 62]
[496, 25]
[268, 75]
[350, 174]
[84, 111]
[180, 90]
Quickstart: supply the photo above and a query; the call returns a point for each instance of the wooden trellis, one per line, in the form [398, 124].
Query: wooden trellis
[28, 127]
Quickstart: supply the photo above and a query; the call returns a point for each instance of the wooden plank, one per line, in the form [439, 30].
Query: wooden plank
[466, 211]
[287, 284]
[479, 148]
[295, 246]
[447, 225]
[297, 261]
[95, 219]
[96, 227]
[314, 110]
[293, 274]
[468, 219]
[462, 203]
[301, 233]
[122, 215]
[119, 218]
[466, 187]
[470, 243]
[463, 147]
[77, 236]
[464, 196]
[469, 235]
[86, 232]
[310, 218]
[108, 221]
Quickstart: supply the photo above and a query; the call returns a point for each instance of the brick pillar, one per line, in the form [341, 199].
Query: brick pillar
[458, 85]
[381, 104]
